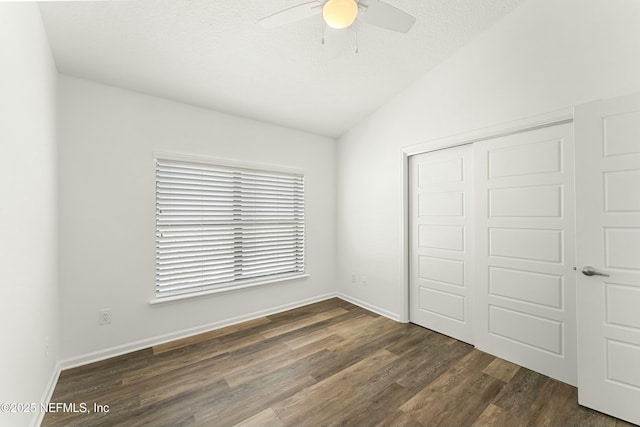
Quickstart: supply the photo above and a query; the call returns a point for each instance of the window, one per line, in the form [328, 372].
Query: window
[222, 227]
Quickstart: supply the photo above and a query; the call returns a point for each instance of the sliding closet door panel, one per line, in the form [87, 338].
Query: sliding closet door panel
[442, 241]
[525, 254]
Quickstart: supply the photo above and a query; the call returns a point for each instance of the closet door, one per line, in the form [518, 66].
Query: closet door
[525, 251]
[441, 245]
[608, 225]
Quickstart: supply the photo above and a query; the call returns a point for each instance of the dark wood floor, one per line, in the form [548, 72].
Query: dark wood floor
[325, 364]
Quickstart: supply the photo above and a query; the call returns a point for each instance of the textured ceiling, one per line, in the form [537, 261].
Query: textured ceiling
[212, 53]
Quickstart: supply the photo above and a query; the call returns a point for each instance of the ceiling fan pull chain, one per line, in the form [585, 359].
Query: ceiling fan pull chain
[324, 29]
[357, 27]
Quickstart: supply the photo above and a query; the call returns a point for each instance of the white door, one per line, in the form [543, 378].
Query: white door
[608, 239]
[525, 250]
[441, 258]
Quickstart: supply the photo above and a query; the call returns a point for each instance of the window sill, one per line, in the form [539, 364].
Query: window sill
[176, 298]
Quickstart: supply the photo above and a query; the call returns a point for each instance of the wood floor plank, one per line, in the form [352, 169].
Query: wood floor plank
[195, 339]
[588, 417]
[169, 361]
[169, 389]
[494, 416]
[439, 399]
[309, 405]
[369, 330]
[305, 322]
[312, 331]
[338, 328]
[100, 375]
[247, 399]
[399, 419]
[372, 386]
[251, 372]
[298, 313]
[379, 333]
[330, 363]
[178, 410]
[266, 418]
[414, 337]
[501, 369]
[553, 405]
[371, 411]
[518, 395]
[430, 363]
[473, 397]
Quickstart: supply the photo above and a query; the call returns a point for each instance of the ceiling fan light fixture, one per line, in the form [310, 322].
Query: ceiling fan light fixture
[340, 14]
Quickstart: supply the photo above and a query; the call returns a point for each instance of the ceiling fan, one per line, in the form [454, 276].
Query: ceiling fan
[340, 14]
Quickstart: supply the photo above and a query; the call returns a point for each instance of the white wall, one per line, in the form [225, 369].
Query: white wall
[107, 227]
[544, 56]
[28, 210]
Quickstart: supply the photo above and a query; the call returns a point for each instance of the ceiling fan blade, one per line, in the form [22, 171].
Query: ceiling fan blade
[292, 14]
[381, 14]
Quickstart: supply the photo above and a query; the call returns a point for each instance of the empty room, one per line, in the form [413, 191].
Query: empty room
[320, 213]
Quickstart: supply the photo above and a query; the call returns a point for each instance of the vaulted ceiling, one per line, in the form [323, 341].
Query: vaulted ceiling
[213, 53]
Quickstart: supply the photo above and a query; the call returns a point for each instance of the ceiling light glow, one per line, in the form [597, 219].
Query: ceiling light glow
[340, 14]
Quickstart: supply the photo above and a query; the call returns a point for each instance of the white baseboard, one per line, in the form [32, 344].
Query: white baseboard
[96, 356]
[370, 307]
[46, 396]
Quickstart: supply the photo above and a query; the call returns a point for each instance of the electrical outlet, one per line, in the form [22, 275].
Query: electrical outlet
[104, 316]
[354, 278]
[364, 280]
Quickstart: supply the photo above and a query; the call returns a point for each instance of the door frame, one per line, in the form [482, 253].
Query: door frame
[553, 118]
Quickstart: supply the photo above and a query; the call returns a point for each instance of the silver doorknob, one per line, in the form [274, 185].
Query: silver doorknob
[590, 271]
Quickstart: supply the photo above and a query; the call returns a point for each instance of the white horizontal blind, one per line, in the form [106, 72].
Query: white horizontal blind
[219, 226]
